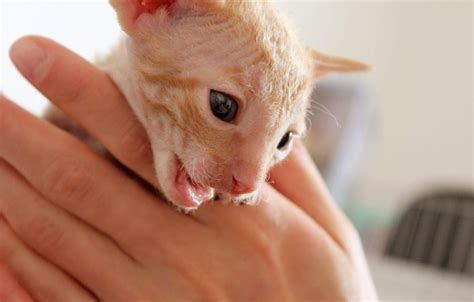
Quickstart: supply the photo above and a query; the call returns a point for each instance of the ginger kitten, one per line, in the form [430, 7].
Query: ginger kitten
[221, 87]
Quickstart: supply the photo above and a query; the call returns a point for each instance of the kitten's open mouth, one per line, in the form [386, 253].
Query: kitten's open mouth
[190, 193]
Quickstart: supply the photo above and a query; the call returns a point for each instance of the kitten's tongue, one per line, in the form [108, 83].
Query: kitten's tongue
[191, 194]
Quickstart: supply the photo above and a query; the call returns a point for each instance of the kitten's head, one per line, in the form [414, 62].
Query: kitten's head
[223, 89]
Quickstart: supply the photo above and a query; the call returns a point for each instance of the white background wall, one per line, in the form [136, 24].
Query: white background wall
[422, 86]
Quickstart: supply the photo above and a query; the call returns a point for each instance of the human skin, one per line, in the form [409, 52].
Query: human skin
[76, 227]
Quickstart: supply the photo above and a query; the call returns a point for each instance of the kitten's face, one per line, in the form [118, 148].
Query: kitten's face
[223, 89]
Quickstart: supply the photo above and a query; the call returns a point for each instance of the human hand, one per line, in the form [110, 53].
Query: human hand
[93, 233]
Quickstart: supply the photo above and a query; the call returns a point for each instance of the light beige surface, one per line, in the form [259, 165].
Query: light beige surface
[401, 281]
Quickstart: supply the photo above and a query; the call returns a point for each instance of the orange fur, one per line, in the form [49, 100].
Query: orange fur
[175, 55]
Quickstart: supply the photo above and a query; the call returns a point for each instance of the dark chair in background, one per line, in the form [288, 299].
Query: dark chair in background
[438, 230]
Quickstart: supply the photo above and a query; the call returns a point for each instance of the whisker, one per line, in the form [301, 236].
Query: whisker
[323, 109]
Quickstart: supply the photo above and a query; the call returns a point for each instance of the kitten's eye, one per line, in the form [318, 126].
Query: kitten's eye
[285, 140]
[223, 106]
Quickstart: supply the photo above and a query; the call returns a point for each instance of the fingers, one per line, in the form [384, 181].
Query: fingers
[10, 289]
[64, 241]
[41, 279]
[59, 167]
[88, 96]
[298, 179]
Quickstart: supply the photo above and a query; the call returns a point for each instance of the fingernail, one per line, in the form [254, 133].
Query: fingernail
[30, 59]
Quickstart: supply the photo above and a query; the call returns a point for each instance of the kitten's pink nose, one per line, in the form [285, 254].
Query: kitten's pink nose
[239, 187]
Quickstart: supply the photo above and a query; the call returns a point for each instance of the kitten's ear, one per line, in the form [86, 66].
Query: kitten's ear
[326, 64]
[129, 11]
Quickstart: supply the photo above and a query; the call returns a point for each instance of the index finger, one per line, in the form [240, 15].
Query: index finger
[88, 96]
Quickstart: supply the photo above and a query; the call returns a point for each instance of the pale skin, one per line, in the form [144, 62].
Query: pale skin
[77, 228]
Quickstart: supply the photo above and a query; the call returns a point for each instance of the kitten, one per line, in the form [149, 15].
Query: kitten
[221, 87]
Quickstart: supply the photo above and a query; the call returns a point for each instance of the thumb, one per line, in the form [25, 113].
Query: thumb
[298, 179]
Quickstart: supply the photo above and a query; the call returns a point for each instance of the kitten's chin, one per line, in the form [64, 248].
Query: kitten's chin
[187, 193]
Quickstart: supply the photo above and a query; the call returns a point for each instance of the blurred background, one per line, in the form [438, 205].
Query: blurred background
[394, 145]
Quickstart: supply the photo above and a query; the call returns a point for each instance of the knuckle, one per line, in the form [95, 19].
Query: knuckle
[266, 252]
[66, 178]
[135, 144]
[75, 93]
[45, 235]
